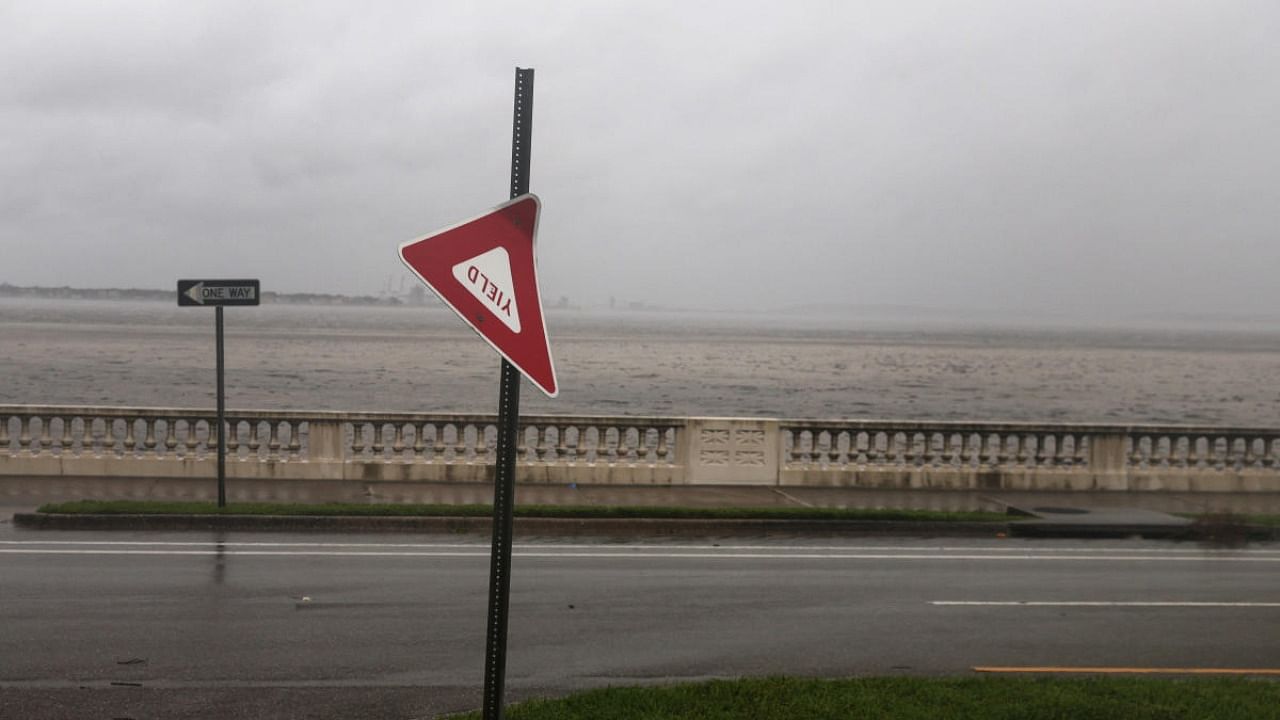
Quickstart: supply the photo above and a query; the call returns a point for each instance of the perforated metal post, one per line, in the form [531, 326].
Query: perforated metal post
[495, 664]
[222, 414]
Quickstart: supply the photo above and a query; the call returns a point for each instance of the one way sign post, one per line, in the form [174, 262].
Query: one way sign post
[217, 294]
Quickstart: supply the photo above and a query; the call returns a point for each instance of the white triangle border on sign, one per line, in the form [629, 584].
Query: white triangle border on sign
[546, 336]
[492, 269]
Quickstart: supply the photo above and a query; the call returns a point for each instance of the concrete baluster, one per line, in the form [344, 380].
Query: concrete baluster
[562, 448]
[1193, 451]
[877, 447]
[1134, 454]
[86, 438]
[1081, 450]
[1002, 455]
[1061, 456]
[522, 443]
[438, 447]
[254, 442]
[273, 440]
[294, 448]
[419, 441]
[149, 436]
[482, 442]
[1155, 451]
[459, 442]
[192, 440]
[795, 451]
[233, 438]
[65, 441]
[891, 452]
[540, 439]
[46, 438]
[397, 442]
[170, 435]
[24, 434]
[834, 453]
[357, 438]
[1020, 443]
[967, 449]
[911, 444]
[643, 447]
[624, 449]
[130, 442]
[1043, 456]
[589, 443]
[950, 449]
[931, 448]
[984, 450]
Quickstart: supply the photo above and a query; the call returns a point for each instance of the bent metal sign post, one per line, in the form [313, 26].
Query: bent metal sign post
[484, 269]
[218, 294]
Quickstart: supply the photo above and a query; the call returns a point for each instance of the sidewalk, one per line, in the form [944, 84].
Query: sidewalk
[29, 493]
[1063, 514]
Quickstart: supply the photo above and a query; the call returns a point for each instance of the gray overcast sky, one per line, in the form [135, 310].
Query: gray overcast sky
[1072, 157]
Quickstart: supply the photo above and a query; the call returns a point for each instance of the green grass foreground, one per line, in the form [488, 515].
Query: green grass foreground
[1268, 520]
[147, 507]
[1093, 698]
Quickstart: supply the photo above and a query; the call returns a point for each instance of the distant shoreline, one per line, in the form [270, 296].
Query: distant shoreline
[872, 317]
[70, 293]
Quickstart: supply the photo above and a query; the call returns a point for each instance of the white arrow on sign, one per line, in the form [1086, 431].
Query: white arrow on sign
[196, 292]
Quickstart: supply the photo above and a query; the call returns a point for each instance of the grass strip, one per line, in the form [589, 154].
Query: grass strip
[148, 507]
[1091, 698]
[1232, 518]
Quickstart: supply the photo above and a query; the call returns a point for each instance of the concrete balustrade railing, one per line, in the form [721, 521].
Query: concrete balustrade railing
[1030, 457]
[170, 442]
[63, 441]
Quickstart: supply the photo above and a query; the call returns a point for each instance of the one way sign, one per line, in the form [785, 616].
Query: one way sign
[212, 293]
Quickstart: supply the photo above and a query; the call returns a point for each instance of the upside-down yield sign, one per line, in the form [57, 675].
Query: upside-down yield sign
[484, 269]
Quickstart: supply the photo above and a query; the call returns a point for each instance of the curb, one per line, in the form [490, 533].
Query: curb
[598, 527]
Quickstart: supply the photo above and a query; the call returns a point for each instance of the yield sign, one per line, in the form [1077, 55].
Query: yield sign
[484, 269]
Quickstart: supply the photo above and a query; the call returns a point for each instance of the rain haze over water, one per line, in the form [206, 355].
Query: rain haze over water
[991, 210]
[1078, 160]
[630, 363]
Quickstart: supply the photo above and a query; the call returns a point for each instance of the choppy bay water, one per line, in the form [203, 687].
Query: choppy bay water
[86, 352]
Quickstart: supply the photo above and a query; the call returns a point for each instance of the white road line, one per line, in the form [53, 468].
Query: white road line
[651, 555]
[1105, 603]
[1195, 552]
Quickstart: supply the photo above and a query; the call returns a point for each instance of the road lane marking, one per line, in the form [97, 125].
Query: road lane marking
[1195, 552]
[651, 555]
[1101, 603]
[1129, 670]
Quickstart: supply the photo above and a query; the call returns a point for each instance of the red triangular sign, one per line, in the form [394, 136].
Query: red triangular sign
[484, 269]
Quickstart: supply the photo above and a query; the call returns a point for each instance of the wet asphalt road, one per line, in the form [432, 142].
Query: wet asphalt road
[187, 625]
